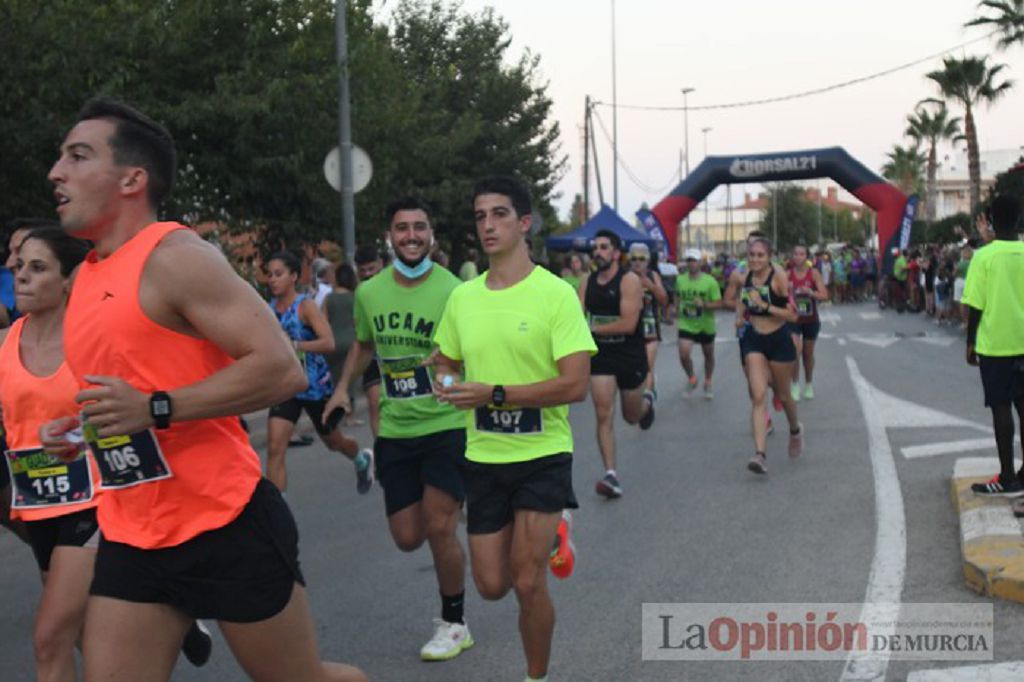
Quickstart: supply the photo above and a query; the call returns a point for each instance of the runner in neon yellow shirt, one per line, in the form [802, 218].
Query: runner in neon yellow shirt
[994, 299]
[421, 446]
[520, 337]
[699, 297]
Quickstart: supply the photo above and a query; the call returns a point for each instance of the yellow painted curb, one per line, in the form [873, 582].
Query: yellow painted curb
[993, 563]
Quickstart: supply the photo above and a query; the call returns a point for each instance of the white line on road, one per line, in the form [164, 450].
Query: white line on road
[944, 341]
[842, 342]
[877, 341]
[885, 583]
[830, 317]
[870, 316]
[955, 447]
[1011, 671]
[979, 467]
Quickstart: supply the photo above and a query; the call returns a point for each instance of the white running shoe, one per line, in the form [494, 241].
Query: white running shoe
[449, 640]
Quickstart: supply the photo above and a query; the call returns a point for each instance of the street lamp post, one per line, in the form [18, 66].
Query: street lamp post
[707, 228]
[686, 146]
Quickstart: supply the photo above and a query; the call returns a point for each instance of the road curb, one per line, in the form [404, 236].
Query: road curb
[991, 538]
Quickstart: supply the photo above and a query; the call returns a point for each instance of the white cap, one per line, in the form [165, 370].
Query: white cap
[639, 247]
[692, 254]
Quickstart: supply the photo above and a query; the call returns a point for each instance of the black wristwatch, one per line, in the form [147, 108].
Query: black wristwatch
[498, 395]
[160, 409]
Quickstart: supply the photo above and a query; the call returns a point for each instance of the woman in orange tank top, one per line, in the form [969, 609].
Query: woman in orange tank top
[56, 500]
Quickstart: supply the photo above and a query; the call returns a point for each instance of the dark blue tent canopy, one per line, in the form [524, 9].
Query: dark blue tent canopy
[605, 219]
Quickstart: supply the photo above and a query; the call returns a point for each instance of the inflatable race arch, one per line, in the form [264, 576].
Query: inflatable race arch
[895, 212]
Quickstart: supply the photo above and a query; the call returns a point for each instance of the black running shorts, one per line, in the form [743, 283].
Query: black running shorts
[628, 368]
[1002, 379]
[243, 572]
[405, 465]
[495, 491]
[775, 347]
[808, 330]
[702, 338]
[78, 529]
[292, 410]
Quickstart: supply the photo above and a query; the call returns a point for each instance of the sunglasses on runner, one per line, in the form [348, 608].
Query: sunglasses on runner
[638, 259]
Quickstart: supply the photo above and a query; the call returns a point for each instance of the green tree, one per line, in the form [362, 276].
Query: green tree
[929, 127]
[1008, 20]
[971, 81]
[797, 220]
[905, 168]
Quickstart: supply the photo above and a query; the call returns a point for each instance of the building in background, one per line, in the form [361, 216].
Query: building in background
[952, 183]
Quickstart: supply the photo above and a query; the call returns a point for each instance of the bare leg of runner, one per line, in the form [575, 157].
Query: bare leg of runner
[279, 432]
[61, 613]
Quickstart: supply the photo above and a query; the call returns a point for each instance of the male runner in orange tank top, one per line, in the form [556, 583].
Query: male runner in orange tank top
[170, 345]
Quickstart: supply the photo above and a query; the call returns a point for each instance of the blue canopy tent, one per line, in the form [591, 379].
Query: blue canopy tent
[605, 219]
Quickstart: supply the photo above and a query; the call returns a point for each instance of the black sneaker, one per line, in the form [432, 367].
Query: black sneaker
[198, 645]
[997, 487]
[609, 486]
[648, 418]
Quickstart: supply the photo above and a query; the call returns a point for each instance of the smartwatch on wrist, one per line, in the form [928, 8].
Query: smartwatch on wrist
[160, 409]
[498, 395]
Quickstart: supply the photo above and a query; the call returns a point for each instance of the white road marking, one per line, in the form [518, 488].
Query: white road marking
[888, 567]
[829, 316]
[981, 521]
[944, 341]
[954, 447]
[978, 467]
[870, 316]
[877, 341]
[1011, 671]
[842, 342]
[823, 335]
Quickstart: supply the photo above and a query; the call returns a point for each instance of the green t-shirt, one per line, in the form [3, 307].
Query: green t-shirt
[401, 322]
[995, 286]
[511, 337]
[573, 280]
[899, 269]
[692, 318]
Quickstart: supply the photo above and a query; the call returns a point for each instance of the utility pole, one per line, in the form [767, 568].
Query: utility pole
[775, 220]
[597, 166]
[348, 213]
[586, 160]
[615, 122]
[686, 146]
[819, 216]
[707, 199]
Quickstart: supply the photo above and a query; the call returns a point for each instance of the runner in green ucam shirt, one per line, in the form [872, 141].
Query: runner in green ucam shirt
[421, 445]
[699, 297]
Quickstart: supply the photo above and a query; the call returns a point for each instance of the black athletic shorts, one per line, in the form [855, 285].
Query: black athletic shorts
[371, 377]
[808, 330]
[78, 529]
[292, 410]
[628, 368]
[405, 465]
[1002, 379]
[495, 491]
[775, 347]
[697, 337]
[243, 572]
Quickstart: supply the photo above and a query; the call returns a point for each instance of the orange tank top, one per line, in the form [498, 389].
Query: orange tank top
[29, 401]
[213, 468]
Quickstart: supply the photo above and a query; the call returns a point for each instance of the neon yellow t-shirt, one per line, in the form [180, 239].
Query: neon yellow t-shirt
[693, 318]
[511, 337]
[995, 286]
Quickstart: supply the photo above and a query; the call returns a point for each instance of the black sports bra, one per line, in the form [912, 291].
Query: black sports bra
[766, 291]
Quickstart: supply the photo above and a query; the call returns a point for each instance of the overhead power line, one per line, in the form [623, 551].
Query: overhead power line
[629, 172]
[806, 93]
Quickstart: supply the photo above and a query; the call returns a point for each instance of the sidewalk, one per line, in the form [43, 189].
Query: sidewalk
[991, 538]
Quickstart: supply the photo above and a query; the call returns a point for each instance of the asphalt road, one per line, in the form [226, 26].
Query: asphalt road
[693, 526]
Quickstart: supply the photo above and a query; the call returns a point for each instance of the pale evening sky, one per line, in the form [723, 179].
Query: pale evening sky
[744, 50]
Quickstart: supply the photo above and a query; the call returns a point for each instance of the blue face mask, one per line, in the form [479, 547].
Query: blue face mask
[415, 272]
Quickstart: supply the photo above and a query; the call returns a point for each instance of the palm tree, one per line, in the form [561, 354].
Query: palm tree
[905, 168]
[1008, 20]
[970, 82]
[925, 127]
